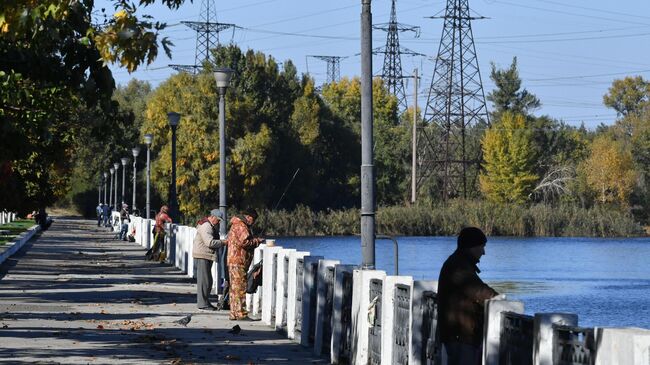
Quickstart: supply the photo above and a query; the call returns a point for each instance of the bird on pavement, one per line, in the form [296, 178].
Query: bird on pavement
[184, 321]
[235, 330]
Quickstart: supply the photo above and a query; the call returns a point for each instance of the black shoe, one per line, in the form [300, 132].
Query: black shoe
[208, 308]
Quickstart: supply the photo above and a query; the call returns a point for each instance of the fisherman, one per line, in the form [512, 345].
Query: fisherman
[204, 253]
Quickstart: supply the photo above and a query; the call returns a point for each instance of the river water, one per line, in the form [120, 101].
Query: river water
[605, 281]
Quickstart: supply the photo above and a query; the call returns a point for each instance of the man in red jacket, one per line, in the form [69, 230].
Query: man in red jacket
[241, 244]
[461, 296]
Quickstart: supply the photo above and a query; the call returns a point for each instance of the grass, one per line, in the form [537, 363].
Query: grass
[15, 228]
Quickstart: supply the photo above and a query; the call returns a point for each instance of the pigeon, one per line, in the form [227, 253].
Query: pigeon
[184, 321]
[235, 330]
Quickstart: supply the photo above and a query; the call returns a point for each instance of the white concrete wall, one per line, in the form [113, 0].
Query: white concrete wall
[268, 284]
[492, 327]
[310, 266]
[294, 287]
[388, 315]
[416, 348]
[543, 334]
[10, 248]
[630, 346]
[360, 302]
[337, 312]
[321, 301]
[282, 280]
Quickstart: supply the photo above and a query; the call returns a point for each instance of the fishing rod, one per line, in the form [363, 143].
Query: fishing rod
[287, 188]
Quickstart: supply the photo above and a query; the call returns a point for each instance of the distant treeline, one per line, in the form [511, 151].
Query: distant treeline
[444, 220]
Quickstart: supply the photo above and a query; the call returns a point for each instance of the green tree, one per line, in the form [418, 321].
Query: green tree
[628, 96]
[508, 160]
[508, 95]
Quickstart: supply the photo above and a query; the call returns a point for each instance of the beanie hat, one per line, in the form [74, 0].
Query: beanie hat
[471, 237]
[216, 213]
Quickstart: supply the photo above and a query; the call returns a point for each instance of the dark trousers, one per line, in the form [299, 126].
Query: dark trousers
[204, 282]
[462, 354]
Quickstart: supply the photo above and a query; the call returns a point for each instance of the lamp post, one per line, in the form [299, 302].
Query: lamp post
[367, 167]
[116, 165]
[110, 194]
[222, 77]
[105, 178]
[125, 160]
[173, 119]
[148, 138]
[136, 152]
[99, 191]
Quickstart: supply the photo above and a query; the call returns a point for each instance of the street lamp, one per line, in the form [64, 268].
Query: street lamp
[116, 165]
[222, 77]
[99, 191]
[125, 160]
[173, 119]
[110, 195]
[136, 152]
[148, 138]
[105, 178]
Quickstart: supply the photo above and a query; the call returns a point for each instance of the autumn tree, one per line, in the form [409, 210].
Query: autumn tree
[609, 170]
[508, 160]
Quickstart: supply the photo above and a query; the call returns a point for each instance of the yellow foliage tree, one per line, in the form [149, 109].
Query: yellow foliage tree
[609, 170]
[508, 160]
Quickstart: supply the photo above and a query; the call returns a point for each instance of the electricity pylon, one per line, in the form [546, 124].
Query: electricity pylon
[456, 113]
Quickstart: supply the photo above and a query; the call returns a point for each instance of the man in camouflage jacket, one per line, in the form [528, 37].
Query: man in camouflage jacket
[241, 244]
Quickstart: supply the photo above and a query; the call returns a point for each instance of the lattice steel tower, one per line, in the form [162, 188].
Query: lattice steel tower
[456, 114]
[207, 35]
[392, 71]
[333, 67]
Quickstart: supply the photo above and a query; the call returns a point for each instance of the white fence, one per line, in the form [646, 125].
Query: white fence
[354, 316]
[7, 217]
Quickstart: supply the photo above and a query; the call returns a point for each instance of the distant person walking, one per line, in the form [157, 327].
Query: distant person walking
[154, 252]
[100, 212]
[204, 252]
[125, 219]
[106, 213]
[241, 244]
[461, 297]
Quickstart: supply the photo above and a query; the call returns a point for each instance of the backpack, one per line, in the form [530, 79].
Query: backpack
[254, 278]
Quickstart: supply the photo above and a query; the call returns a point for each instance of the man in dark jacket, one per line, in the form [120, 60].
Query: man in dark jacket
[461, 296]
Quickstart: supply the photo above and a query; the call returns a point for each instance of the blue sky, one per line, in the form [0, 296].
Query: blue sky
[568, 52]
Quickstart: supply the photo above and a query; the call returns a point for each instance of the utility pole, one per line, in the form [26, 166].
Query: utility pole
[455, 109]
[414, 152]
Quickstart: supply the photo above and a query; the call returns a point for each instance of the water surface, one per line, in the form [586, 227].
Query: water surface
[605, 281]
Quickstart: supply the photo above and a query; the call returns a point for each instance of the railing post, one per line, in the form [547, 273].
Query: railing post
[543, 332]
[492, 327]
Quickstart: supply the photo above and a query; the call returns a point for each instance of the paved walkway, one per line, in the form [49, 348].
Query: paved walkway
[75, 296]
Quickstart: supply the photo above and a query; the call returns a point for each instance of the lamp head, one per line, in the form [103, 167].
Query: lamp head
[136, 151]
[223, 76]
[112, 170]
[125, 160]
[173, 118]
[116, 165]
[105, 175]
[148, 139]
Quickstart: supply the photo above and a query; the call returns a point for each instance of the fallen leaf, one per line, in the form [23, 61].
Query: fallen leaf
[100, 327]
[5, 326]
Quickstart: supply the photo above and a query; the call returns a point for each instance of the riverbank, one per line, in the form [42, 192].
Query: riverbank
[437, 220]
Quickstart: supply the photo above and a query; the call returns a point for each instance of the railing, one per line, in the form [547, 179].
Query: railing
[313, 294]
[402, 328]
[346, 319]
[516, 343]
[299, 281]
[374, 332]
[431, 348]
[329, 303]
[573, 345]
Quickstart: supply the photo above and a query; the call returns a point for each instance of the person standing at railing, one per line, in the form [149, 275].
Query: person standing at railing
[106, 213]
[99, 210]
[461, 298]
[204, 252]
[241, 244]
[159, 234]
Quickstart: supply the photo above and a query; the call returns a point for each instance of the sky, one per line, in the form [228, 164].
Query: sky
[568, 52]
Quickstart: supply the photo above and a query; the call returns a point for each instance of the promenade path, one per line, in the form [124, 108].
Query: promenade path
[76, 296]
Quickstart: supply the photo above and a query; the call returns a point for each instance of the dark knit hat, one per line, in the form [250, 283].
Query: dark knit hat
[471, 237]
